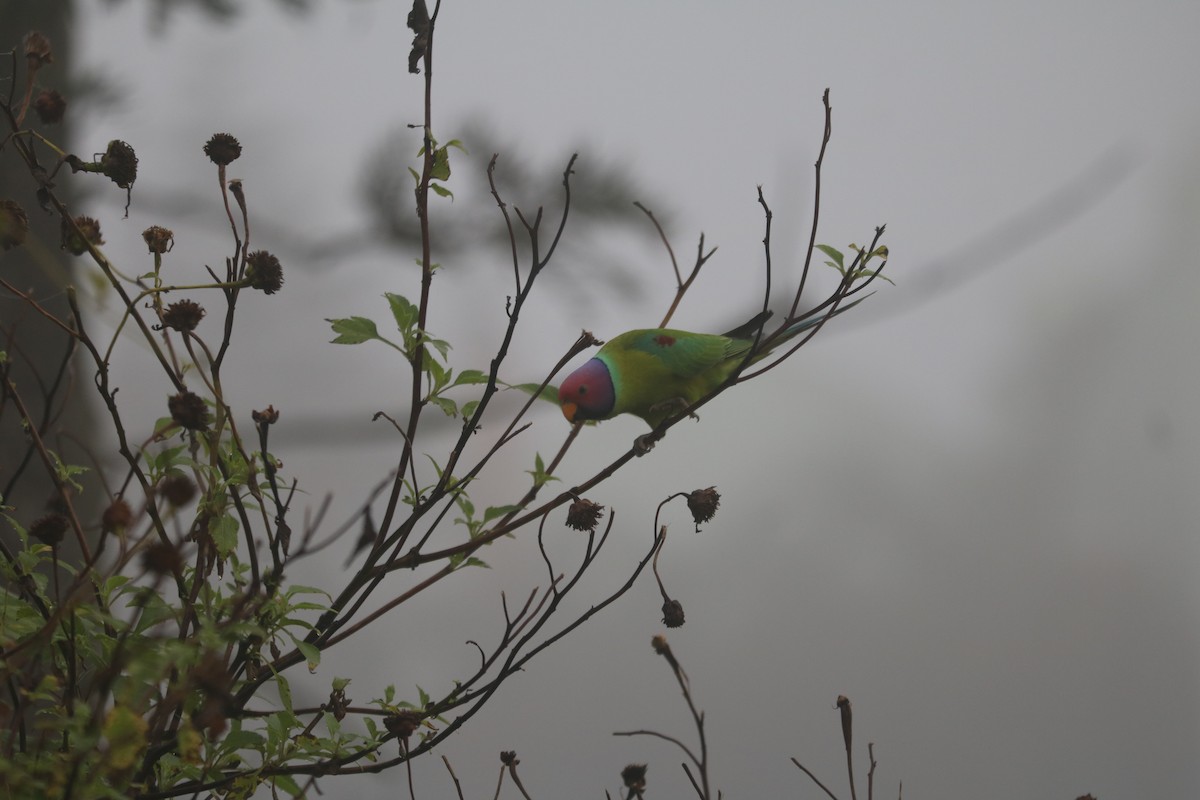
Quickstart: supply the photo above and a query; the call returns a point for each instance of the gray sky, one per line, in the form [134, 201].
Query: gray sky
[971, 505]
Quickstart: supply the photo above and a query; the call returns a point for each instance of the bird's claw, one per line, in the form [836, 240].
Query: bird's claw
[644, 444]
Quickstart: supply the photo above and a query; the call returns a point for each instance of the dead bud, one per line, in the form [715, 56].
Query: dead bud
[843, 704]
[268, 416]
[77, 237]
[49, 529]
[178, 489]
[672, 613]
[509, 758]
[162, 558]
[37, 50]
[188, 411]
[222, 149]
[159, 239]
[50, 106]
[583, 515]
[117, 517]
[703, 503]
[183, 315]
[119, 163]
[264, 272]
[402, 724]
[634, 777]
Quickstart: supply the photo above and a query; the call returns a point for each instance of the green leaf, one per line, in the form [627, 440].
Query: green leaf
[441, 191]
[493, 512]
[468, 409]
[549, 393]
[403, 311]
[353, 330]
[285, 692]
[288, 784]
[440, 171]
[224, 533]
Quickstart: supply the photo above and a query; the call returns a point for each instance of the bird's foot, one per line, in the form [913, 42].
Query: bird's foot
[672, 406]
[644, 443]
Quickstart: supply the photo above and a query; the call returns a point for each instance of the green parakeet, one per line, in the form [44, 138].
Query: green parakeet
[653, 373]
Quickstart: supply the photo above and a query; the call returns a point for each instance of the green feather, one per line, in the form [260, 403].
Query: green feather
[653, 369]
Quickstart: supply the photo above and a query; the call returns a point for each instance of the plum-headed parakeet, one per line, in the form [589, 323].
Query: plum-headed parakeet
[653, 373]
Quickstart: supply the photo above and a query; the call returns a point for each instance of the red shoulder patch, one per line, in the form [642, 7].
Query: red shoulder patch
[663, 340]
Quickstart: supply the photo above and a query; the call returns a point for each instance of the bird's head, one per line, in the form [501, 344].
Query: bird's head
[587, 393]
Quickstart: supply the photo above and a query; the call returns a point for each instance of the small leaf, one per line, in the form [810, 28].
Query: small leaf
[469, 377]
[448, 406]
[441, 191]
[836, 255]
[549, 393]
[353, 330]
[311, 653]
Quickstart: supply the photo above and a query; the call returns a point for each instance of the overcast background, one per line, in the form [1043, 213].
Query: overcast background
[971, 505]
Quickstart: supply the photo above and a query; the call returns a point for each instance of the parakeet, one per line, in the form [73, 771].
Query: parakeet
[653, 373]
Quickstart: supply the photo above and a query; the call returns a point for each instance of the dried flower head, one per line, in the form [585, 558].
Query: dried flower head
[188, 411]
[264, 272]
[659, 643]
[49, 529]
[50, 106]
[178, 489]
[119, 163]
[14, 225]
[268, 416]
[37, 49]
[159, 239]
[672, 613]
[222, 149]
[634, 777]
[583, 515]
[703, 503]
[77, 237]
[183, 315]
[509, 758]
[117, 517]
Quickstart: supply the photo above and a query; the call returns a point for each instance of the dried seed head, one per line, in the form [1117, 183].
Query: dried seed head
[659, 643]
[119, 163]
[37, 49]
[222, 149]
[268, 416]
[634, 777]
[178, 489]
[583, 515]
[189, 411]
[50, 106]
[49, 529]
[159, 239]
[264, 272]
[509, 758]
[75, 239]
[672, 613]
[14, 225]
[703, 503]
[183, 315]
[117, 517]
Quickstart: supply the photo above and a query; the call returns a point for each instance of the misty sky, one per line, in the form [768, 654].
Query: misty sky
[971, 505]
